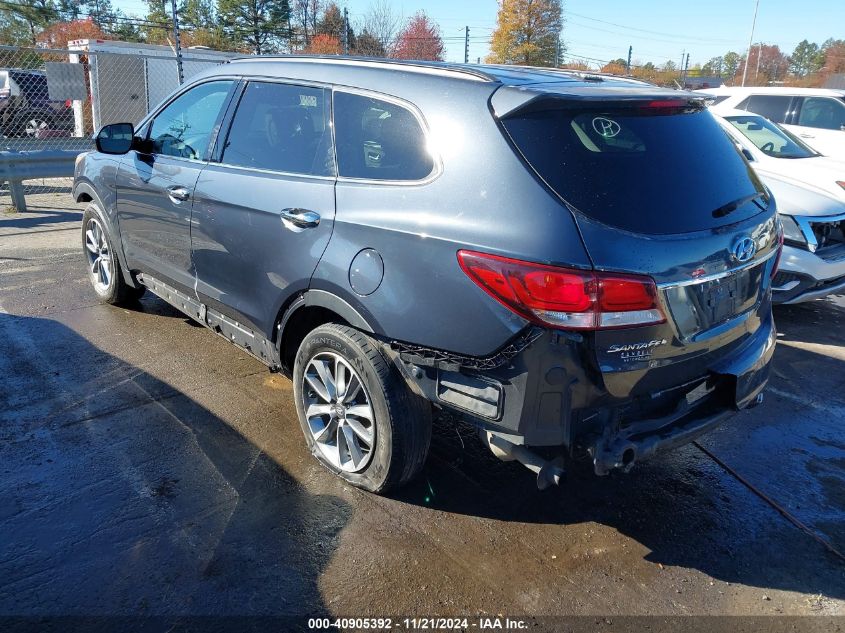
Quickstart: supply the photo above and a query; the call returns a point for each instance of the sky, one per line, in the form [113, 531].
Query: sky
[601, 30]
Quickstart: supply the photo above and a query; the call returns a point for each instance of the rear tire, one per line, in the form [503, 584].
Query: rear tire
[102, 264]
[376, 437]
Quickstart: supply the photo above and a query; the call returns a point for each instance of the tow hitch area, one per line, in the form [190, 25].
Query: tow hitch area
[620, 446]
[549, 472]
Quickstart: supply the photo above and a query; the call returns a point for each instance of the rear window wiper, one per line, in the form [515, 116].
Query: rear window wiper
[730, 207]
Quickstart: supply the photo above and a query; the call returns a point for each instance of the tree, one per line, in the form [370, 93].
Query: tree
[420, 39]
[616, 67]
[202, 25]
[305, 13]
[260, 26]
[713, 67]
[158, 23]
[806, 59]
[368, 45]
[731, 62]
[29, 17]
[767, 64]
[382, 24]
[527, 32]
[332, 21]
[324, 44]
[580, 66]
[834, 57]
[59, 34]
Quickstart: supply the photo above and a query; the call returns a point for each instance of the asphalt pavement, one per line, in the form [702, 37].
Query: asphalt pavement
[149, 468]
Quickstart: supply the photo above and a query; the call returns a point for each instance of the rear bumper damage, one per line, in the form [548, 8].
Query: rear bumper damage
[543, 392]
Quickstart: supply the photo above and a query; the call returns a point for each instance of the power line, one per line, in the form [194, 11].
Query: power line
[631, 28]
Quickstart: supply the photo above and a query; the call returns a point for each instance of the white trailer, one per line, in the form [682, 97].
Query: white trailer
[126, 79]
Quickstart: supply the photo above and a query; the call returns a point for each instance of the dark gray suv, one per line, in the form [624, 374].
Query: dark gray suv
[580, 265]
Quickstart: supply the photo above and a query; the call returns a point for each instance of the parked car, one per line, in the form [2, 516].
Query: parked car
[26, 109]
[811, 204]
[813, 261]
[517, 245]
[816, 115]
[774, 150]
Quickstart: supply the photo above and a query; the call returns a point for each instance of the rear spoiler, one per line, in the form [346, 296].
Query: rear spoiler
[508, 100]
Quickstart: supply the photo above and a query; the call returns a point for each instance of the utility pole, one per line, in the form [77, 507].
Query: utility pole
[628, 65]
[557, 52]
[686, 70]
[466, 44]
[345, 31]
[750, 41]
[177, 46]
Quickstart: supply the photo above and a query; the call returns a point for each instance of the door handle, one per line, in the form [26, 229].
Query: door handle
[178, 193]
[298, 220]
[806, 136]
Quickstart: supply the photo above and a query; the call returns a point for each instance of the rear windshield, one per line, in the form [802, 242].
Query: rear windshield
[639, 170]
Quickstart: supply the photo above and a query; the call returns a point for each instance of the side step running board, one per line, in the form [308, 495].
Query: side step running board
[250, 341]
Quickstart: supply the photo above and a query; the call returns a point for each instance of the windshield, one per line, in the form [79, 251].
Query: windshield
[769, 138]
[640, 170]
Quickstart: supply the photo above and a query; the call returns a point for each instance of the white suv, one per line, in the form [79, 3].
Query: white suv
[817, 115]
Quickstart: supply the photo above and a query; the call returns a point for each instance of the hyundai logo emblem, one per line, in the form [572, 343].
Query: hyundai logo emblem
[744, 249]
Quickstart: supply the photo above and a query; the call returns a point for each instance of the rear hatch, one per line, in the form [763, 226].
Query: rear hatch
[658, 189]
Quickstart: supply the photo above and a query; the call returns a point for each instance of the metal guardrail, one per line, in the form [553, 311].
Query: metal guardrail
[15, 167]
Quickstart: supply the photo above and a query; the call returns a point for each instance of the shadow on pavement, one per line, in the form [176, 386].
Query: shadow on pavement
[34, 218]
[156, 509]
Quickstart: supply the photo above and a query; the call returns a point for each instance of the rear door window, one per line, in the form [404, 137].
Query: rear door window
[379, 140]
[826, 113]
[281, 127]
[640, 171]
[773, 107]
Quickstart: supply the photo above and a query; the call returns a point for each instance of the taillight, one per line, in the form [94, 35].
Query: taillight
[564, 297]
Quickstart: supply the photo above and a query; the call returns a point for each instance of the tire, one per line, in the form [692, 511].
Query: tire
[400, 427]
[102, 264]
[30, 124]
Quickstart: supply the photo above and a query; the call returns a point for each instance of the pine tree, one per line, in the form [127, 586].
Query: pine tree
[260, 26]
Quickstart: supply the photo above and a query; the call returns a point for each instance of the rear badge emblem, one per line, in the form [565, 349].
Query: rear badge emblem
[630, 352]
[744, 249]
[607, 128]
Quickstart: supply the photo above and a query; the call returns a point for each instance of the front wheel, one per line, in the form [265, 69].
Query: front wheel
[359, 418]
[102, 264]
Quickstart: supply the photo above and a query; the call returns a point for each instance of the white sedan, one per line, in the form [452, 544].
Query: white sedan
[773, 150]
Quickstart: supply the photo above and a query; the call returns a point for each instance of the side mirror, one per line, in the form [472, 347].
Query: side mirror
[115, 138]
[747, 153]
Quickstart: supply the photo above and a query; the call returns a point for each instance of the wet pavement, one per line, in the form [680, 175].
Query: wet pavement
[149, 468]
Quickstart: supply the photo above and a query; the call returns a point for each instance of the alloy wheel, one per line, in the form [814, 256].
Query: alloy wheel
[34, 127]
[339, 412]
[100, 265]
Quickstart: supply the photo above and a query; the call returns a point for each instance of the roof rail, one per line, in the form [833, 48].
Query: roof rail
[420, 66]
[587, 75]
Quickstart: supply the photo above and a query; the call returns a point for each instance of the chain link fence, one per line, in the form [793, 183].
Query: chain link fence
[54, 99]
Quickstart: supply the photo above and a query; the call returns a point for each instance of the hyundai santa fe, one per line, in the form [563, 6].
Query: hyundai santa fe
[579, 265]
